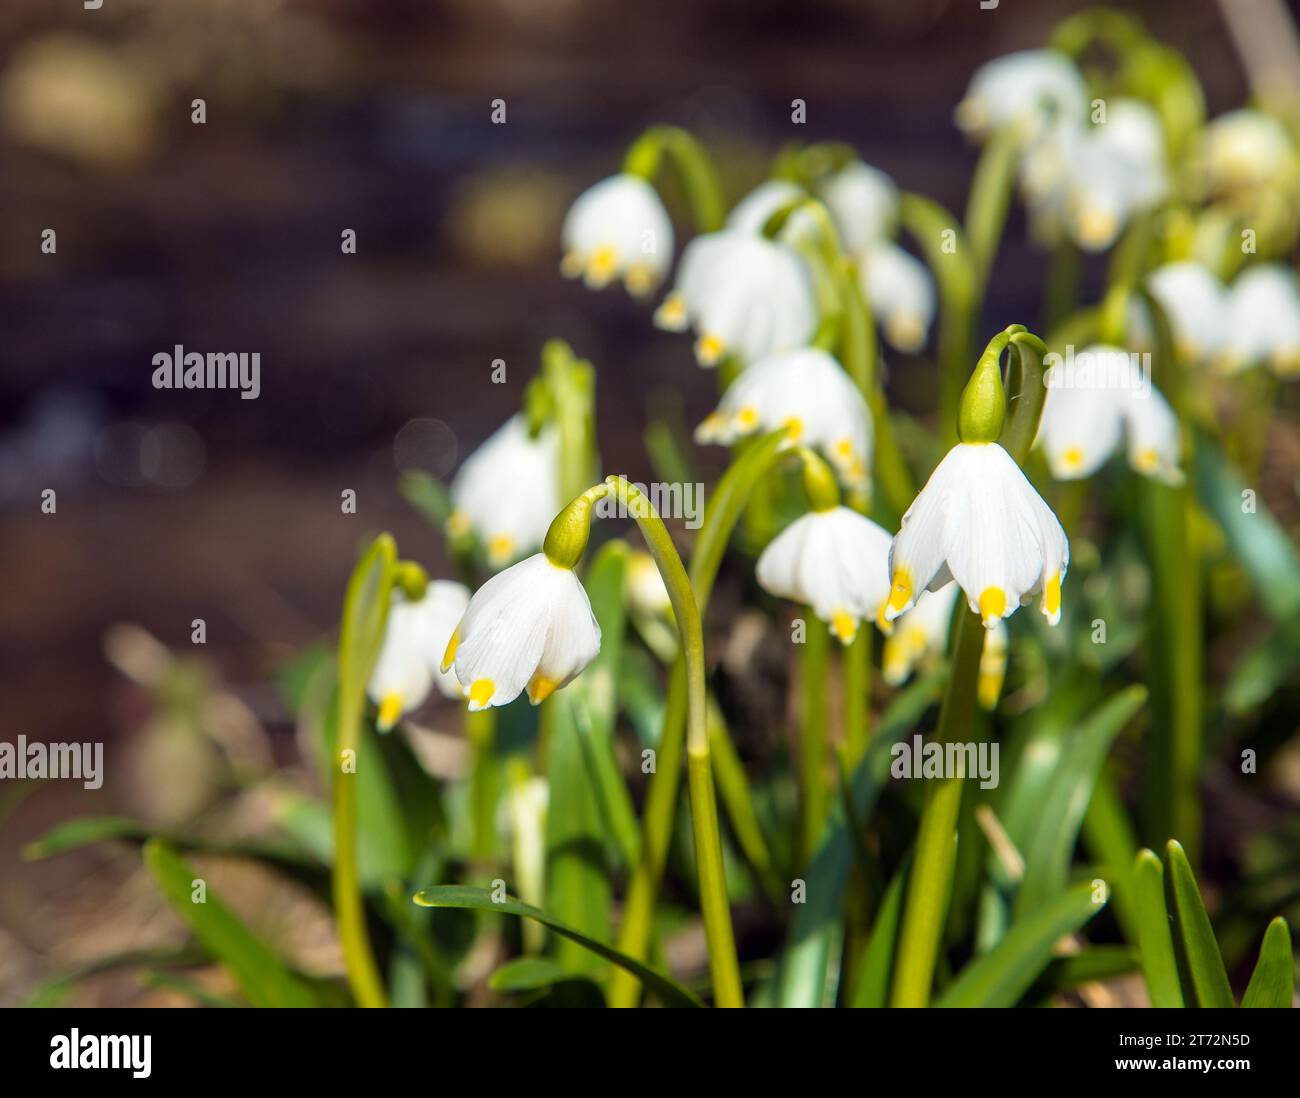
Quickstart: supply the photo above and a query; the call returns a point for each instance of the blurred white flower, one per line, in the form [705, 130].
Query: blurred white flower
[646, 593]
[1196, 304]
[901, 293]
[508, 491]
[529, 626]
[979, 521]
[835, 561]
[1089, 405]
[1244, 150]
[809, 394]
[618, 229]
[752, 212]
[746, 296]
[920, 635]
[1031, 89]
[415, 636]
[1263, 321]
[863, 202]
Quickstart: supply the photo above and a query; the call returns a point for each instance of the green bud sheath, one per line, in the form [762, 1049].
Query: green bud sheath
[984, 400]
[818, 481]
[566, 540]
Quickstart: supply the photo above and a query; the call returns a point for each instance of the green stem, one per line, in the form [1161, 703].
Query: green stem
[857, 687]
[571, 383]
[723, 965]
[361, 632]
[990, 199]
[694, 168]
[723, 512]
[812, 770]
[480, 729]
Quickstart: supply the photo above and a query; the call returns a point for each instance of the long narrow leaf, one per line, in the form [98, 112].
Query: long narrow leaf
[1205, 981]
[1273, 982]
[1155, 940]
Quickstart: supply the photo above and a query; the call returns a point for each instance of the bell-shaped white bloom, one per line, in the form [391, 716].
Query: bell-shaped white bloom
[1264, 321]
[1092, 398]
[1196, 304]
[508, 491]
[1245, 150]
[920, 635]
[863, 203]
[415, 636]
[529, 626]
[618, 229]
[979, 521]
[1030, 89]
[835, 561]
[810, 395]
[745, 295]
[646, 593]
[901, 293]
[752, 212]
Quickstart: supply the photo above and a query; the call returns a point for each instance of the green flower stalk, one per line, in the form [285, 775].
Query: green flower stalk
[695, 170]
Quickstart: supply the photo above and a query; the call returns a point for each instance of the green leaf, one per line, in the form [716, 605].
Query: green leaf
[803, 973]
[263, 978]
[529, 974]
[1155, 940]
[670, 992]
[1002, 976]
[1204, 979]
[1088, 966]
[877, 970]
[1273, 982]
[577, 866]
[428, 495]
[1047, 859]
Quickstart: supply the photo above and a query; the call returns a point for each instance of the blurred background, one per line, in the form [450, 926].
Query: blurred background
[225, 236]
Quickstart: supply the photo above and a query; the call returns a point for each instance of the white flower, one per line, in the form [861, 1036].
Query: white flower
[752, 212]
[618, 228]
[920, 635]
[901, 293]
[1092, 398]
[863, 202]
[745, 295]
[415, 636]
[834, 561]
[1245, 150]
[529, 626]
[979, 521]
[1196, 304]
[809, 394]
[1264, 320]
[508, 491]
[1031, 89]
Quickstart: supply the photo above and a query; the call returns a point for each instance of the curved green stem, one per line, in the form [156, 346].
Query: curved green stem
[361, 633]
[723, 965]
[812, 769]
[724, 510]
[694, 168]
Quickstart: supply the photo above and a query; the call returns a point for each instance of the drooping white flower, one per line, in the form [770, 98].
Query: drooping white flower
[1245, 150]
[1093, 397]
[979, 521]
[508, 491]
[1195, 302]
[618, 229]
[901, 293]
[835, 561]
[415, 636]
[1030, 89]
[1263, 321]
[863, 202]
[809, 394]
[745, 296]
[920, 635]
[530, 626]
[752, 212]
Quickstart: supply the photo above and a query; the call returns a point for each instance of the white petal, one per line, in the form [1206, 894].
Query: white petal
[901, 292]
[619, 228]
[1031, 88]
[863, 202]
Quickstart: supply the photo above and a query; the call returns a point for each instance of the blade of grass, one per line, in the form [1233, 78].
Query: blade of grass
[1205, 981]
[1155, 940]
[1272, 984]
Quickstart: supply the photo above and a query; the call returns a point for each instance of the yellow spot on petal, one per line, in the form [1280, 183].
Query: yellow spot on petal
[390, 708]
[900, 593]
[905, 331]
[844, 449]
[1096, 228]
[993, 604]
[1072, 457]
[601, 267]
[709, 349]
[794, 427]
[500, 548]
[1146, 460]
[989, 688]
[885, 625]
[712, 429]
[1052, 599]
[480, 693]
[449, 653]
[747, 418]
[540, 688]
[458, 525]
[672, 313]
[844, 626]
[572, 265]
[639, 280]
[971, 115]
